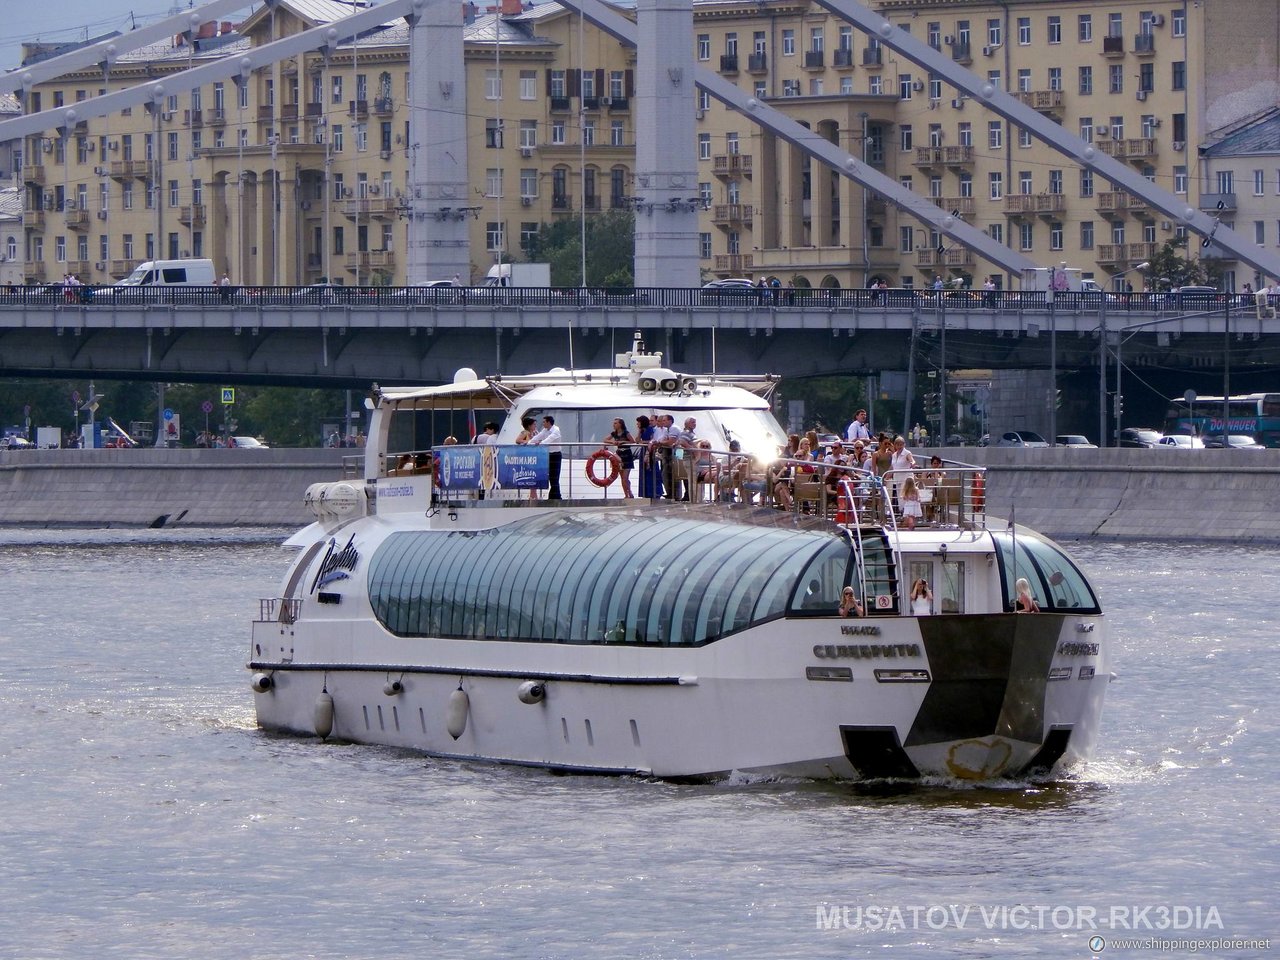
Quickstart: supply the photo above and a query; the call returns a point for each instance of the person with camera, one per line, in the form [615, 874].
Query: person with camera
[921, 598]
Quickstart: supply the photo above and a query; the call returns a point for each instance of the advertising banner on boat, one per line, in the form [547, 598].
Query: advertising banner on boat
[521, 467]
[477, 468]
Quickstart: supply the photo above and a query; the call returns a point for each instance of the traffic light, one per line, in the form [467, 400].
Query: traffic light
[1119, 404]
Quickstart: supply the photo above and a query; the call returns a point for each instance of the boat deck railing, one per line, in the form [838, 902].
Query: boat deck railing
[951, 496]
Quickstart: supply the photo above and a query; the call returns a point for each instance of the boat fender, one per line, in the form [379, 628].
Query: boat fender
[532, 691]
[262, 682]
[611, 474]
[323, 715]
[456, 715]
[393, 688]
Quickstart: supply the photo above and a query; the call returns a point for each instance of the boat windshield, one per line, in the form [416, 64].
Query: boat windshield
[1056, 582]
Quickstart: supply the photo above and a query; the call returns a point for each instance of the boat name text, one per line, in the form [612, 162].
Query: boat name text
[1074, 648]
[864, 651]
[863, 631]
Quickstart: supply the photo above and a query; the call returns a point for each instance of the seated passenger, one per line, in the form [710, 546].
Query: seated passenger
[1025, 603]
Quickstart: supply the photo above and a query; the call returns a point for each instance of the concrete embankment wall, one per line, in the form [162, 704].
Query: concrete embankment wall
[1066, 494]
[146, 487]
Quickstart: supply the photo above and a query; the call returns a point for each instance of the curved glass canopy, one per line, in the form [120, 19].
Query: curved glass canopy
[1056, 582]
[605, 577]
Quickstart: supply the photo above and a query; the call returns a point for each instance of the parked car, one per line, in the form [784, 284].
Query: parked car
[1181, 441]
[1195, 298]
[1235, 441]
[1021, 438]
[735, 289]
[248, 443]
[1140, 437]
[15, 442]
[1073, 440]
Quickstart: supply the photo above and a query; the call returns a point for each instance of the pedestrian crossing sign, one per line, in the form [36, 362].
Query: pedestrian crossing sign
[228, 395]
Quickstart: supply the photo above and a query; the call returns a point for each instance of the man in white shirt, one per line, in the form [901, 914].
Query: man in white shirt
[660, 448]
[549, 437]
[858, 429]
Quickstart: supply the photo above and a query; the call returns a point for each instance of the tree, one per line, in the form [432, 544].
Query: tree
[1169, 268]
[610, 250]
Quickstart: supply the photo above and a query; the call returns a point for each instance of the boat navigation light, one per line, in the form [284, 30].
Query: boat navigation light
[393, 688]
[262, 682]
[532, 691]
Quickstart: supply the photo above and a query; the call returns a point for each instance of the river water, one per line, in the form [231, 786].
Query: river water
[144, 816]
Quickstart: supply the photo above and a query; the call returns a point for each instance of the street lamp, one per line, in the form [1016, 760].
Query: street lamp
[1102, 360]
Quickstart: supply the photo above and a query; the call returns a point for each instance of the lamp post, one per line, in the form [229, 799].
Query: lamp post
[1102, 363]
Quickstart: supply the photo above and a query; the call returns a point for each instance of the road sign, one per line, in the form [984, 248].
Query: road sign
[75, 396]
[207, 406]
[168, 414]
[228, 395]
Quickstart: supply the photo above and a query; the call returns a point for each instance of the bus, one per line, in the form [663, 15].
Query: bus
[1254, 414]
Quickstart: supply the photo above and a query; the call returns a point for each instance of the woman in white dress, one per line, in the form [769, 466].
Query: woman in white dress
[921, 598]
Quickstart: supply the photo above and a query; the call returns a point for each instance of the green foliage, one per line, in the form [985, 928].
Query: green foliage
[1170, 268]
[829, 402]
[610, 250]
[285, 416]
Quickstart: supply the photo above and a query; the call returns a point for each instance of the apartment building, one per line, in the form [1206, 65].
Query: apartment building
[302, 172]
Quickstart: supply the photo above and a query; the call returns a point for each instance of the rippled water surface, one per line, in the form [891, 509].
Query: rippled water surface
[143, 815]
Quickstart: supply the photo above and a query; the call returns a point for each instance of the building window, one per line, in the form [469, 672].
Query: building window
[617, 133]
[1086, 81]
[1055, 236]
[995, 135]
[904, 133]
[1055, 78]
[589, 133]
[996, 232]
[1024, 138]
[933, 34]
[788, 43]
[1180, 179]
[528, 133]
[1084, 28]
[704, 146]
[558, 84]
[493, 134]
[1115, 78]
[965, 133]
[1024, 182]
[904, 86]
[1024, 31]
[528, 182]
[557, 132]
[995, 185]
[493, 182]
[1115, 25]
[906, 239]
[528, 85]
[1086, 183]
[1179, 75]
[1026, 236]
[966, 184]
[528, 233]
[494, 236]
[173, 193]
[1178, 23]
[1086, 235]
[875, 85]
[1055, 29]
[1055, 181]
[1146, 77]
[704, 46]
[995, 33]
[704, 246]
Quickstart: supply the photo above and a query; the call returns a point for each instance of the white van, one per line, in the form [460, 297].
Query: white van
[171, 273]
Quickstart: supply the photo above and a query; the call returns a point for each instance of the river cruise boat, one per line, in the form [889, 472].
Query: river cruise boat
[442, 602]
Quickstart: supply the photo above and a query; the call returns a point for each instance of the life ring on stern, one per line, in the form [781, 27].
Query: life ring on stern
[611, 474]
[978, 493]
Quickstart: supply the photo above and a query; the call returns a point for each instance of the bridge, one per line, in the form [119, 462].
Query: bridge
[353, 336]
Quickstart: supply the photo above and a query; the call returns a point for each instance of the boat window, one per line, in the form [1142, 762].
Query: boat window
[948, 592]
[596, 578]
[1056, 582]
[822, 581]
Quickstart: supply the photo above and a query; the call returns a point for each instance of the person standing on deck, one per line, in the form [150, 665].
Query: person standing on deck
[549, 437]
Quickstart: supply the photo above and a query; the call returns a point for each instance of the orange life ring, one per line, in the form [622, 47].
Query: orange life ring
[615, 467]
[978, 493]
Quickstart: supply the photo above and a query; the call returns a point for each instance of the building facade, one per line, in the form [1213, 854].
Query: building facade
[301, 172]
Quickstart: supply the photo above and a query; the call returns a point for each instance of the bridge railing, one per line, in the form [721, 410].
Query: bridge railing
[808, 299]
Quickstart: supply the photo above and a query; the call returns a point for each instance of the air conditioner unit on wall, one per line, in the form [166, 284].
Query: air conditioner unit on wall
[989, 51]
[526, 151]
[958, 103]
[102, 214]
[699, 114]
[89, 146]
[100, 265]
[949, 40]
[1157, 20]
[1141, 95]
[1102, 130]
[526, 201]
[917, 85]
[1179, 146]
[373, 190]
[113, 145]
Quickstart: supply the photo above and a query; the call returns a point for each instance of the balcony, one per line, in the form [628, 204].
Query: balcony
[758, 63]
[358, 109]
[130, 169]
[193, 118]
[842, 58]
[33, 173]
[619, 104]
[1046, 101]
[217, 117]
[366, 260]
[956, 257]
[33, 218]
[383, 106]
[735, 263]
[314, 111]
[81, 268]
[1144, 45]
[558, 104]
[78, 219]
[729, 63]
[876, 207]
[591, 203]
[961, 206]
[726, 214]
[814, 60]
[1117, 203]
[561, 203]
[1113, 46]
[1021, 204]
[192, 215]
[955, 156]
[289, 111]
[590, 103]
[1133, 148]
[370, 208]
[962, 53]
[872, 56]
[266, 112]
[1211, 201]
[731, 164]
[121, 268]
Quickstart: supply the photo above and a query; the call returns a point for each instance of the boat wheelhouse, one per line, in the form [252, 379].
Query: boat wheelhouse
[441, 603]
